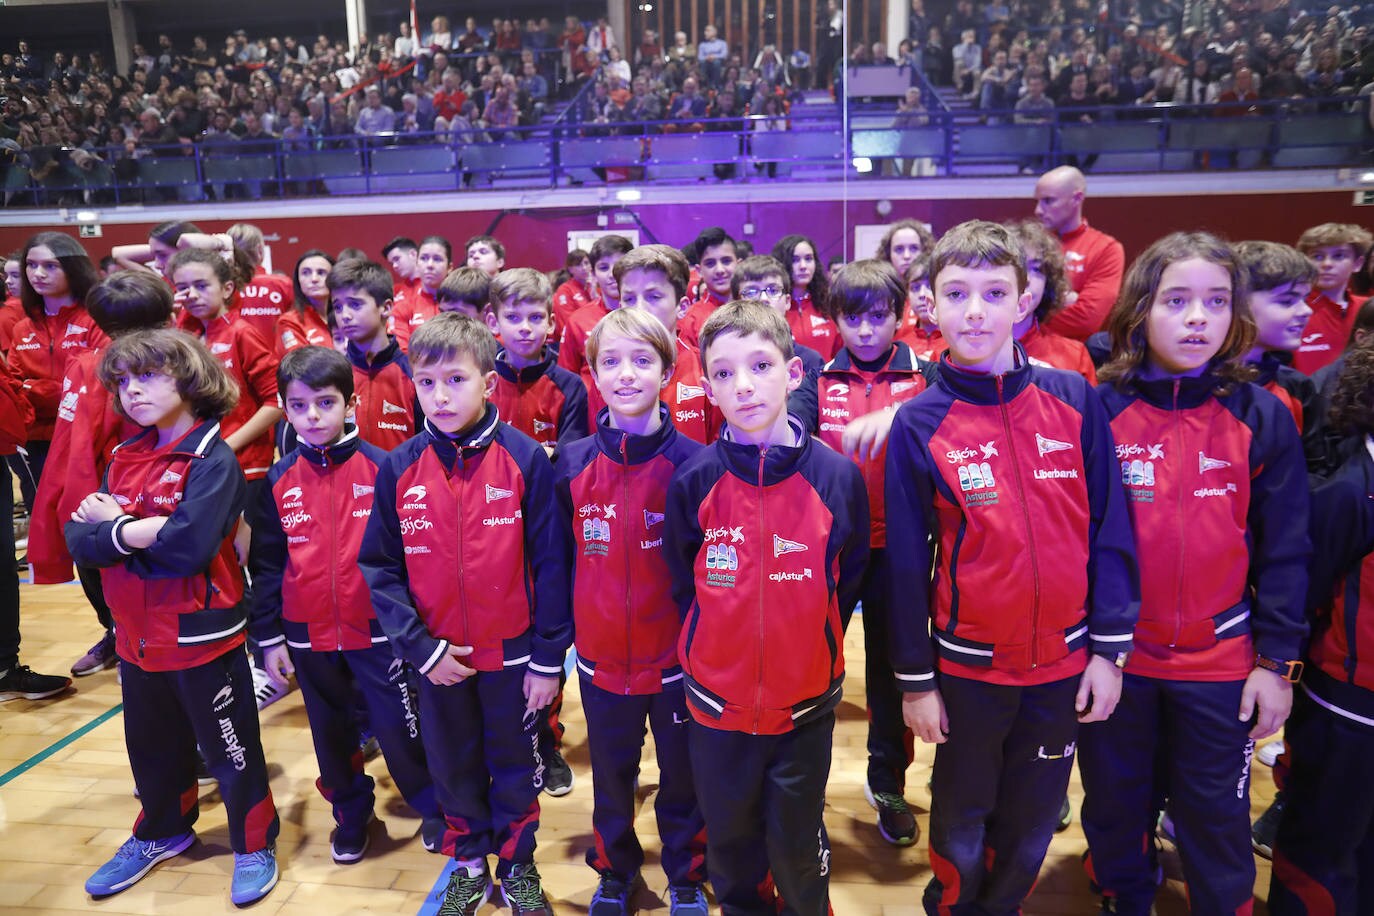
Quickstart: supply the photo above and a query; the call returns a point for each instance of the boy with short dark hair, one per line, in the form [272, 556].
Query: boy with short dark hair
[312, 615]
[612, 489]
[654, 278]
[1338, 250]
[716, 258]
[535, 395]
[994, 443]
[384, 396]
[471, 497]
[403, 255]
[486, 254]
[577, 291]
[413, 307]
[765, 525]
[466, 290]
[572, 348]
[874, 373]
[762, 278]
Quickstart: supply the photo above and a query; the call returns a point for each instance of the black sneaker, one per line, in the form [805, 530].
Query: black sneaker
[369, 746]
[468, 888]
[349, 844]
[1065, 816]
[1266, 827]
[524, 893]
[558, 776]
[203, 775]
[432, 833]
[895, 821]
[99, 657]
[22, 683]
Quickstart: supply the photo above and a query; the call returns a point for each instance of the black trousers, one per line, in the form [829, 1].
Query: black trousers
[890, 746]
[166, 715]
[999, 780]
[9, 576]
[762, 797]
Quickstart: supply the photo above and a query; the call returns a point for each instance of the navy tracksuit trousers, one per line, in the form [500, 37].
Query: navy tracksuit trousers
[999, 780]
[890, 748]
[762, 797]
[1180, 741]
[328, 682]
[1324, 852]
[483, 752]
[615, 737]
[166, 715]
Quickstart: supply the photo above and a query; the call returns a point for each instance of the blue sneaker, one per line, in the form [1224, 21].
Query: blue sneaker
[687, 900]
[255, 873]
[134, 860]
[612, 896]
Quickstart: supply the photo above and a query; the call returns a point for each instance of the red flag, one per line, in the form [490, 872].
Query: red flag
[414, 28]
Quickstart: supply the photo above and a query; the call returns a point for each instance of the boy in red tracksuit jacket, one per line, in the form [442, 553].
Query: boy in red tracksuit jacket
[578, 291]
[160, 528]
[873, 374]
[1338, 250]
[1326, 831]
[716, 258]
[535, 395]
[572, 345]
[413, 307]
[654, 278]
[312, 614]
[974, 463]
[467, 566]
[386, 413]
[611, 491]
[767, 541]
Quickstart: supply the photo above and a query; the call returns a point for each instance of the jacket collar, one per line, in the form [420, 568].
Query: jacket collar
[385, 356]
[774, 462]
[479, 436]
[1269, 365]
[984, 388]
[631, 448]
[900, 359]
[334, 454]
[196, 443]
[1183, 391]
[529, 373]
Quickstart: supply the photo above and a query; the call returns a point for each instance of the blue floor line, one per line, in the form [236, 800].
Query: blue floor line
[436, 893]
[51, 749]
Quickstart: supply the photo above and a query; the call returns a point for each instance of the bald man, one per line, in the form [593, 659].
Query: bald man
[1093, 260]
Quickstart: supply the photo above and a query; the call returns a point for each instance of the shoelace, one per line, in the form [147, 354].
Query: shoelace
[262, 860]
[686, 894]
[522, 886]
[895, 802]
[612, 888]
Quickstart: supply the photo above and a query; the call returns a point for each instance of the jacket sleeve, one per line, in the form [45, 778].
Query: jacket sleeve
[16, 413]
[854, 553]
[548, 554]
[383, 564]
[267, 556]
[682, 539]
[909, 491]
[259, 366]
[1278, 522]
[1101, 284]
[1342, 530]
[572, 418]
[1113, 571]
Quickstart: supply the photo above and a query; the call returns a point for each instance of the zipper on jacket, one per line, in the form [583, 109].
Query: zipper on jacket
[1030, 536]
[462, 575]
[629, 609]
[1182, 527]
[758, 689]
[334, 552]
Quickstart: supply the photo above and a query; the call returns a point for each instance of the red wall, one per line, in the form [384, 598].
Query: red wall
[537, 238]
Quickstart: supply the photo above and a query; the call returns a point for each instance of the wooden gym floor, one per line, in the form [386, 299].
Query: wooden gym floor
[66, 803]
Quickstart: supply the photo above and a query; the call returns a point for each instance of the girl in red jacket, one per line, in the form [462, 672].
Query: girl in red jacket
[1217, 488]
[305, 324]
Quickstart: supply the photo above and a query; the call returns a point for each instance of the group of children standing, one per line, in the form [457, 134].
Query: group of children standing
[696, 488]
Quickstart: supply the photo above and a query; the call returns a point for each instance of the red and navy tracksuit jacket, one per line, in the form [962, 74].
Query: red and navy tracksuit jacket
[40, 351]
[1010, 479]
[463, 548]
[388, 413]
[612, 488]
[1058, 352]
[544, 401]
[1299, 394]
[767, 548]
[1219, 500]
[690, 410]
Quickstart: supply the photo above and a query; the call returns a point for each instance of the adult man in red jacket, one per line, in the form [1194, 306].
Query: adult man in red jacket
[1093, 260]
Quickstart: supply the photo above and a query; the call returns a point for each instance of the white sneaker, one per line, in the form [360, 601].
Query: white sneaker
[266, 690]
[1269, 754]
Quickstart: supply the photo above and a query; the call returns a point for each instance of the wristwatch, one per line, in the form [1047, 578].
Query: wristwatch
[1290, 671]
[1116, 658]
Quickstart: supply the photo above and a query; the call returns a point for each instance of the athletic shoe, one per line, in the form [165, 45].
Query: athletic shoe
[23, 683]
[1267, 827]
[266, 690]
[524, 893]
[612, 897]
[1269, 754]
[687, 900]
[1065, 816]
[558, 776]
[203, 775]
[349, 844]
[895, 821]
[134, 860]
[468, 888]
[98, 657]
[369, 746]
[432, 833]
[255, 873]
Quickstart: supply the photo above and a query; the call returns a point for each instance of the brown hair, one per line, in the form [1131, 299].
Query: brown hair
[663, 258]
[864, 284]
[1127, 322]
[756, 269]
[633, 324]
[979, 243]
[1357, 237]
[450, 336]
[521, 284]
[1352, 403]
[130, 300]
[1039, 242]
[466, 284]
[742, 317]
[885, 245]
[1269, 265]
[367, 276]
[201, 381]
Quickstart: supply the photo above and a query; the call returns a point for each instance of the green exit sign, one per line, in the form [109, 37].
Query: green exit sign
[1362, 198]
